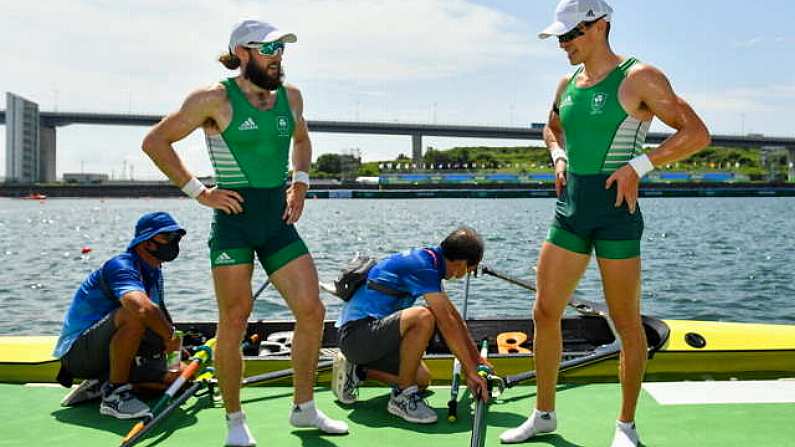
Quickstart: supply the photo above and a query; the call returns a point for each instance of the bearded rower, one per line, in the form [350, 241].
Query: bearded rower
[248, 122]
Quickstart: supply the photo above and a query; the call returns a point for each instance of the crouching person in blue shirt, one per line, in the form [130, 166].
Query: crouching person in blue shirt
[383, 336]
[117, 327]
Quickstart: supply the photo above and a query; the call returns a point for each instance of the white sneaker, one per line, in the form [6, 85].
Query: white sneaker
[87, 390]
[538, 422]
[238, 434]
[626, 435]
[344, 381]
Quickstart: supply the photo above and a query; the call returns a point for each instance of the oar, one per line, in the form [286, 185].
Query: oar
[479, 425]
[203, 356]
[452, 404]
[600, 354]
[261, 289]
[276, 375]
[584, 307]
[201, 381]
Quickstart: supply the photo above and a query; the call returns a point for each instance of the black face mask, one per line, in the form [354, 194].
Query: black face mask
[166, 252]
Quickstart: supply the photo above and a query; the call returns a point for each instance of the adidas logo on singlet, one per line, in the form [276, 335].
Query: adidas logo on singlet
[248, 124]
[566, 102]
[224, 258]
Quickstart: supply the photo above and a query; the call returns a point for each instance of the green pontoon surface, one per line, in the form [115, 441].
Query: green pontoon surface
[31, 416]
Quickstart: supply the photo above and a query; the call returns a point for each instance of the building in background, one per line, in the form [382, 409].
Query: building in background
[85, 178]
[22, 139]
[30, 148]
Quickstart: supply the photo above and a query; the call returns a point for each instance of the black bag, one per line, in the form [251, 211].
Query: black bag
[353, 276]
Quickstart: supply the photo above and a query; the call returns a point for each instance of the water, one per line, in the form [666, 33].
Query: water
[726, 259]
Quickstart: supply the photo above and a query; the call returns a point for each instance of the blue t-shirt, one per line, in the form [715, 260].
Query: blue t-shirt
[124, 273]
[417, 272]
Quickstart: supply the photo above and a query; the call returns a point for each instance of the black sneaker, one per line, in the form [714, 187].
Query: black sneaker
[410, 406]
[122, 404]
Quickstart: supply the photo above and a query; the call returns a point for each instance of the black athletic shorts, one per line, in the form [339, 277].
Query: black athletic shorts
[89, 356]
[373, 343]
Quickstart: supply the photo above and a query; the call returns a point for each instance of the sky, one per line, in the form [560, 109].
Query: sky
[476, 62]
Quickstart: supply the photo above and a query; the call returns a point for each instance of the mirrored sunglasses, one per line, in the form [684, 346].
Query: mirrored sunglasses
[268, 48]
[577, 31]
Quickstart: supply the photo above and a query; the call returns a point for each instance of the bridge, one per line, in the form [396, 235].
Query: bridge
[51, 120]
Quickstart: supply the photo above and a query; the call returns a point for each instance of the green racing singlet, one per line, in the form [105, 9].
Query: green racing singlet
[600, 138]
[251, 157]
[254, 148]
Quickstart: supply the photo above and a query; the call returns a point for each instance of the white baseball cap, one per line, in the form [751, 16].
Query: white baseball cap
[249, 31]
[571, 13]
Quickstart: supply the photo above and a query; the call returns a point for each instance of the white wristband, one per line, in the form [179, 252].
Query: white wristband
[301, 177]
[193, 188]
[557, 154]
[642, 165]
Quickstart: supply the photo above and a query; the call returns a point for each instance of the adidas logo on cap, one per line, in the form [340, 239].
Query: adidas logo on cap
[248, 124]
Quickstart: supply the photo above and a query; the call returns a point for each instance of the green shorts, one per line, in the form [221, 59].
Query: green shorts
[260, 229]
[586, 220]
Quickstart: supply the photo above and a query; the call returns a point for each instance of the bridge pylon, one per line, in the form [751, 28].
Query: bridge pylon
[416, 148]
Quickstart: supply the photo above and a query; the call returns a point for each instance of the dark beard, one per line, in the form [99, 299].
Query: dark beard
[261, 78]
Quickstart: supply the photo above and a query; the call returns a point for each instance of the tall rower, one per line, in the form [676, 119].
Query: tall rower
[248, 121]
[595, 135]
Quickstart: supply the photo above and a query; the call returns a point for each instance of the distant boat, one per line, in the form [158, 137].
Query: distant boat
[34, 196]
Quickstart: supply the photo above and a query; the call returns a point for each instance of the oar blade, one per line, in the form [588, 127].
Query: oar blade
[133, 432]
[132, 439]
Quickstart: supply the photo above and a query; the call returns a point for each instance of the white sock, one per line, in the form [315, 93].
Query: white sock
[538, 422]
[307, 415]
[238, 433]
[626, 435]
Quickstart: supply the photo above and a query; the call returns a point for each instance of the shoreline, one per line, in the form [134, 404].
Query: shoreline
[360, 191]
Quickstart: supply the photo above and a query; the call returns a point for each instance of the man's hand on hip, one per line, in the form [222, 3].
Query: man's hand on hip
[560, 176]
[627, 183]
[225, 200]
[296, 194]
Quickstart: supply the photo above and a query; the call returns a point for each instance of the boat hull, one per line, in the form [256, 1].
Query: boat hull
[730, 350]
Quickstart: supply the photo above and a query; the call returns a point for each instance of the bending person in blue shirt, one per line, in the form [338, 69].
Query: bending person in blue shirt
[382, 337]
[117, 327]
